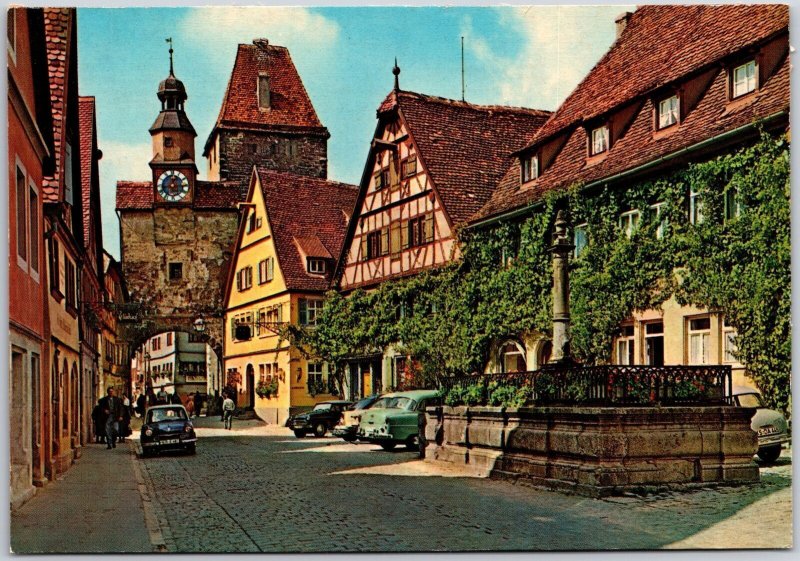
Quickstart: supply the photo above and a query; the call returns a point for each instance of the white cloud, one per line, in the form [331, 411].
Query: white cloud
[560, 45]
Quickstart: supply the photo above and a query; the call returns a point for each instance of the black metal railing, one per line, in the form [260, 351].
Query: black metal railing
[606, 385]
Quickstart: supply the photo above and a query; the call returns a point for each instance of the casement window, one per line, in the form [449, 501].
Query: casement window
[169, 339]
[71, 286]
[408, 167]
[580, 239]
[55, 273]
[308, 311]
[729, 347]
[244, 320]
[744, 79]
[316, 376]
[251, 221]
[419, 231]
[383, 178]
[266, 270]
[695, 208]
[316, 266]
[33, 216]
[699, 340]
[511, 357]
[599, 140]
[661, 216]
[244, 279]
[375, 244]
[530, 168]
[668, 112]
[732, 207]
[626, 345]
[629, 221]
[654, 343]
[509, 250]
[155, 343]
[22, 219]
[263, 91]
[175, 271]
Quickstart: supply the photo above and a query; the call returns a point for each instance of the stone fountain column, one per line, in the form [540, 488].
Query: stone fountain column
[561, 249]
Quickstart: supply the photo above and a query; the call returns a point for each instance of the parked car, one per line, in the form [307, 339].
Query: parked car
[167, 427]
[348, 426]
[394, 418]
[769, 424]
[319, 420]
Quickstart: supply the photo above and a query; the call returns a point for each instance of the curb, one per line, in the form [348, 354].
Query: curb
[150, 516]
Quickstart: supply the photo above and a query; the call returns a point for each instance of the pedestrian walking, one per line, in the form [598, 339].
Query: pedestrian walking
[227, 411]
[140, 405]
[112, 407]
[125, 421]
[198, 403]
[162, 396]
[190, 405]
[175, 398]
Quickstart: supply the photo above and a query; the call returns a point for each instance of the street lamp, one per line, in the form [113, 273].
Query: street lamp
[199, 325]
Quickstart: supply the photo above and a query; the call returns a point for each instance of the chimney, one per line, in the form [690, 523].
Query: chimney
[622, 22]
[262, 43]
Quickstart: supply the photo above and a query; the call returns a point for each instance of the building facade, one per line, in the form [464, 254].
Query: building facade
[282, 266]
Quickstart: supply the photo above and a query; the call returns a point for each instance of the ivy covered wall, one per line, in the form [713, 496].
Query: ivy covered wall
[448, 318]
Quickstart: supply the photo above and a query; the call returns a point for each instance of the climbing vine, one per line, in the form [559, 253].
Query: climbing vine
[448, 318]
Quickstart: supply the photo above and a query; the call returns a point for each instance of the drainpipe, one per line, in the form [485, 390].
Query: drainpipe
[639, 169]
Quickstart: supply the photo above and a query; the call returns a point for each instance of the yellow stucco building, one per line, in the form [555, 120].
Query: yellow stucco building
[291, 231]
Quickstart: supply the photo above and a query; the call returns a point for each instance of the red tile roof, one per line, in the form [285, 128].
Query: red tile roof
[662, 44]
[86, 128]
[301, 208]
[465, 147]
[711, 116]
[290, 106]
[312, 246]
[57, 22]
[208, 195]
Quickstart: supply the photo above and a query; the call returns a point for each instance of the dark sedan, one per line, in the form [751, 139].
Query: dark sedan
[319, 420]
[167, 427]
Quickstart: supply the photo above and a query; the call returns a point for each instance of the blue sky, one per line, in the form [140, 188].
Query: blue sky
[525, 56]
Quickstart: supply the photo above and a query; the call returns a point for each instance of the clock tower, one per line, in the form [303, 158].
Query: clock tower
[173, 163]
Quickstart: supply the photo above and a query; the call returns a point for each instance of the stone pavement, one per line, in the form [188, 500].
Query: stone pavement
[96, 507]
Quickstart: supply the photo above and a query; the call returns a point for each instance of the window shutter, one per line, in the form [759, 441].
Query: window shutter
[379, 181]
[411, 166]
[233, 328]
[429, 228]
[404, 231]
[270, 268]
[302, 313]
[280, 313]
[385, 241]
[364, 254]
[394, 241]
[239, 281]
[393, 173]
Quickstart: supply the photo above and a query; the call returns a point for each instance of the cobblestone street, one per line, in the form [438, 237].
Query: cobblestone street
[260, 489]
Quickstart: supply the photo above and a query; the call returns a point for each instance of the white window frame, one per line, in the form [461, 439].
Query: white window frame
[733, 208]
[580, 242]
[662, 222]
[696, 207]
[626, 347]
[648, 336]
[519, 351]
[729, 345]
[629, 221]
[318, 371]
[22, 260]
[744, 79]
[316, 304]
[34, 270]
[703, 336]
[600, 140]
[669, 111]
[316, 266]
[530, 168]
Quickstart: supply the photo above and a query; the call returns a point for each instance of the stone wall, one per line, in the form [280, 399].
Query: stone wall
[598, 451]
[303, 154]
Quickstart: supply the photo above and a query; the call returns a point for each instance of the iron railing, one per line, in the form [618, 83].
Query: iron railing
[601, 385]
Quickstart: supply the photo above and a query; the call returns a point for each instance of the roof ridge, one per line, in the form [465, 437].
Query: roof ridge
[476, 106]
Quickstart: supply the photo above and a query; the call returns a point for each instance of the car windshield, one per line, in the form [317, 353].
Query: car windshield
[363, 404]
[394, 403]
[172, 414]
[750, 400]
[322, 407]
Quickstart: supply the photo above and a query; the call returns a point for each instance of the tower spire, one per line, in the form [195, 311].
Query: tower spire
[169, 40]
[396, 72]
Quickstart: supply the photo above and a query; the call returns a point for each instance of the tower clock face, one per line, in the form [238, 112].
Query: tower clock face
[173, 185]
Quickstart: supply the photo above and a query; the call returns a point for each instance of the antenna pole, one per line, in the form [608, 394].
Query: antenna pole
[462, 69]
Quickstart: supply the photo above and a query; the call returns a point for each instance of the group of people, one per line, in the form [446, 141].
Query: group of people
[112, 419]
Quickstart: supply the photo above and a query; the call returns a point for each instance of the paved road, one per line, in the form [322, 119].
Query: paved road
[259, 489]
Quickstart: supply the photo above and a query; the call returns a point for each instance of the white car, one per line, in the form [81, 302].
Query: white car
[770, 425]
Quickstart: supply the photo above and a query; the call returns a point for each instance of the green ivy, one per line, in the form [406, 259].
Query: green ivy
[448, 318]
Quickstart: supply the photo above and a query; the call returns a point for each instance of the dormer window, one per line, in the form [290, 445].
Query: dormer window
[530, 168]
[668, 112]
[599, 140]
[263, 91]
[743, 79]
[316, 266]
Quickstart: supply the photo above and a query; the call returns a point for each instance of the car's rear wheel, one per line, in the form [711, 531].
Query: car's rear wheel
[299, 433]
[349, 438]
[388, 445]
[769, 453]
[413, 442]
[320, 429]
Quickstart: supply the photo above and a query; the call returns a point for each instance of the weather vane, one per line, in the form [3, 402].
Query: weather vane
[169, 40]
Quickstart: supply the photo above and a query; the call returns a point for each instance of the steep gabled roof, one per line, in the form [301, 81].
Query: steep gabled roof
[303, 208]
[208, 195]
[57, 25]
[713, 114]
[661, 44]
[465, 147]
[290, 107]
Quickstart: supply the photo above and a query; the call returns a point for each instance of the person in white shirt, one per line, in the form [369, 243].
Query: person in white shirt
[227, 409]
